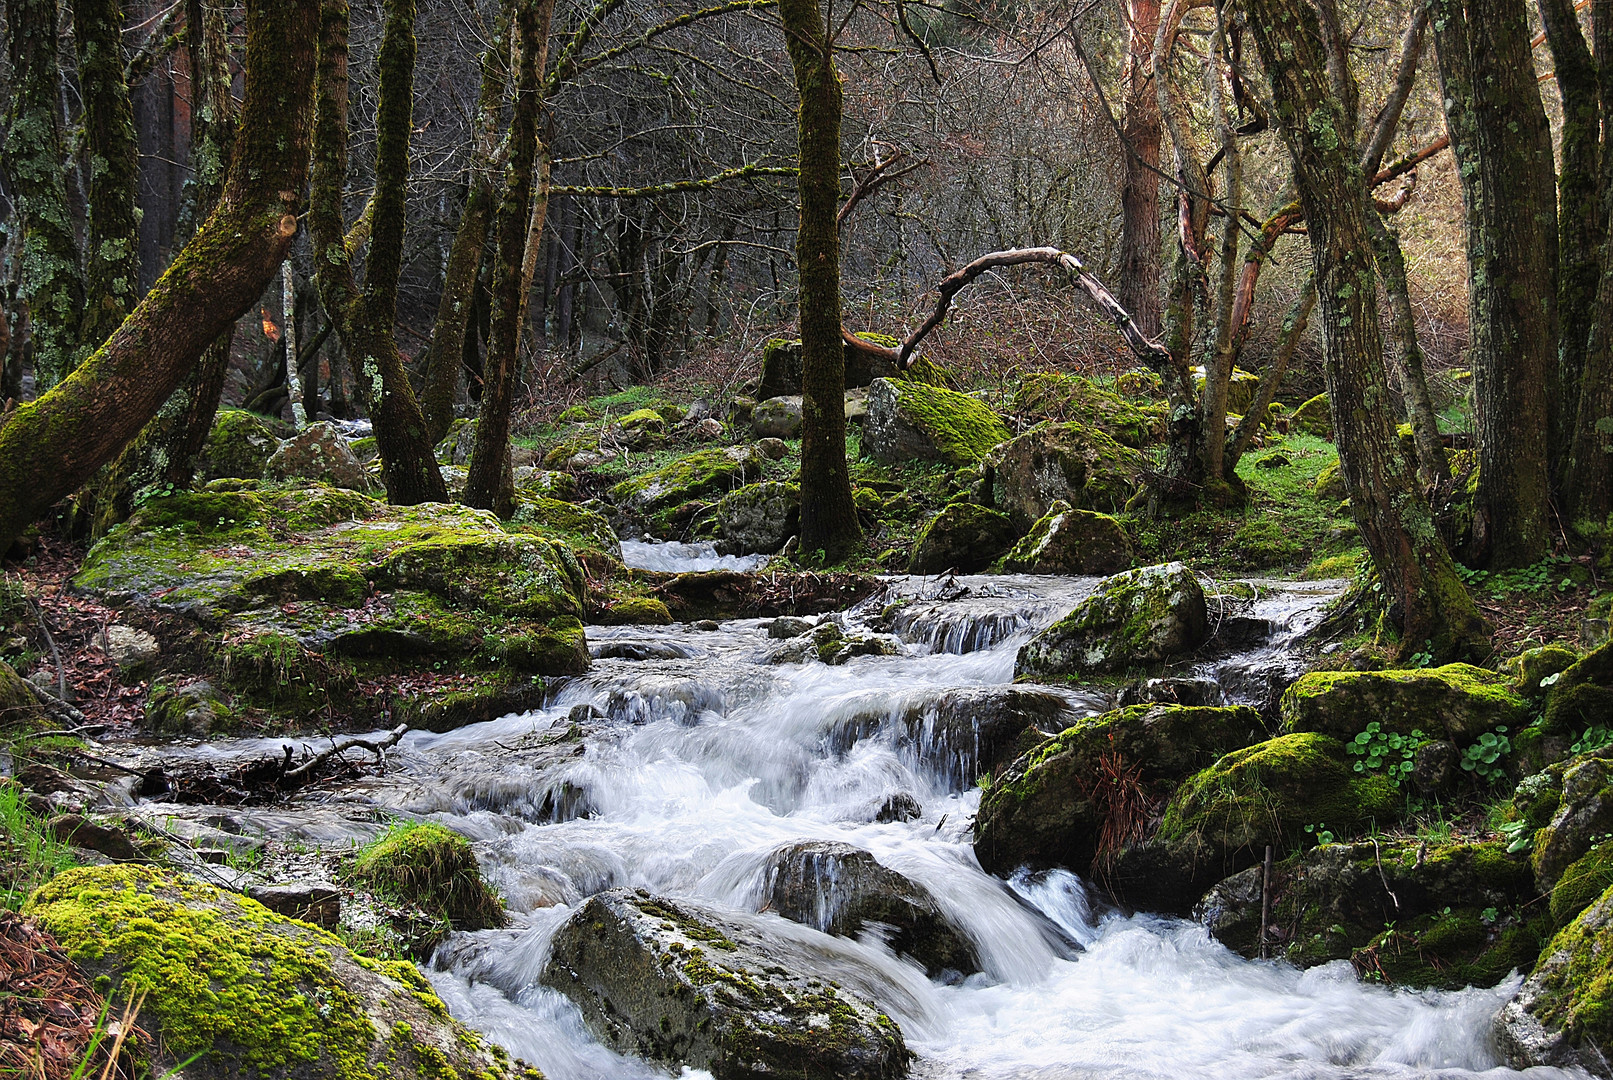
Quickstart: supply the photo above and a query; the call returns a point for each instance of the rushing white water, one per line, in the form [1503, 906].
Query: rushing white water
[677, 558]
[681, 773]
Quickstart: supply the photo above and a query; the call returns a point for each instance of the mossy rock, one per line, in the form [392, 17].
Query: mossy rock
[1581, 884]
[704, 472]
[577, 527]
[1532, 668]
[457, 444]
[1563, 1014]
[577, 414]
[1048, 809]
[1314, 417]
[1240, 390]
[513, 575]
[435, 869]
[252, 992]
[758, 518]
[20, 711]
[1070, 463]
[1582, 695]
[910, 421]
[1260, 543]
[634, 611]
[1583, 819]
[546, 484]
[193, 708]
[1051, 395]
[239, 446]
[642, 420]
[562, 453]
[1450, 949]
[1070, 541]
[557, 647]
[1140, 617]
[1268, 793]
[318, 454]
[277, 670]
[1458, 702]
[962, 537]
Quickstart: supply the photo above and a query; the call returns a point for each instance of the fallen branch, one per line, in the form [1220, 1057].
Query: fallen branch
[375, 746]
[57, 709]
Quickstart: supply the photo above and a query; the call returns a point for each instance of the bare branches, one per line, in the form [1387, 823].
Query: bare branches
[378, 747]
[875, 178]
[672, 186]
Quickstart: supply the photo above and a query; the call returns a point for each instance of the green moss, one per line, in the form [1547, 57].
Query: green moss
[575, 526]
[1261, 543]
[1531, 666]
[433, 868]
[239, 445]
[642, 420]
[634, 611]
[558, 648]
[1576, 979]
[279, 671]
[704, 472]
[1452, 949]
[1061, 397]
[577, 414]
[1458, 701]
[1313, 418]
[962, 428]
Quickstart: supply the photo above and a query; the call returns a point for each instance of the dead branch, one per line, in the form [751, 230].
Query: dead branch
[341, 746]
[871, 181]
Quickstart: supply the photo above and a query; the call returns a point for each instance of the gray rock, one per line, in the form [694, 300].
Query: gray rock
[772, 449]
[857, 406]
[193, 708]
[843, 890]
[962, 537]
[759, 518]
[1584, 815]
[777, 418]
[683, 985]
[910, 421]
[899, 807]
[1139, 617]
[316, 902]
[1070, 541]
[318, 453]
[1557, 1018]
[788, 626]
[127, 646]
[1072, 462]
[708, 429]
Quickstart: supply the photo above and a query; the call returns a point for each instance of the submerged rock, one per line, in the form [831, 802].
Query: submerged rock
[251, 992]
[962, 537]
[1053, 463]
[682, 985]
[842, 890]
[1457, 701]
[911, 421]
[1070, 541]
[1139, 617]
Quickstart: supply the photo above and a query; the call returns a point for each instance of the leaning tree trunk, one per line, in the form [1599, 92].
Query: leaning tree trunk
[364, 320]
[828, 515]
[50, 446]
[485, 486]
[52, 276]
[1138, 282]
[1503, 149]
[1433, 607]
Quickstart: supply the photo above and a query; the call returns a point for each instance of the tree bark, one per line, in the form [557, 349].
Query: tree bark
[1139, 282]
[52, 275]
[518, 226]
[1432, 468]
[1270, 379]
[1427, 598]
[364, 320]
[51, 446]
[1503, 150]
[828, 515]
[112, 241]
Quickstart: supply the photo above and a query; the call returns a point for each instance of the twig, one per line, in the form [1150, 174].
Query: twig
[376, 747]
[1265, 902]
[55, 707]
[1377, 857]
[56, 654]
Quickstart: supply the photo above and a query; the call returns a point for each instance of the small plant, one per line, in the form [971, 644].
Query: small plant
[1520, 836]
[1386, 751]
[1483, 758]
[1323, 834]
[1596, 737]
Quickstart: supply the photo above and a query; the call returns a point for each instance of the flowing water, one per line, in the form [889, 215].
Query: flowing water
[685, 757]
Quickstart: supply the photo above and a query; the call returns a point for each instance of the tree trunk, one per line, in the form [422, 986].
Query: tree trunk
[1503, 149]
[446, 352]
[1426, 596]
[364, 320]
[1139, 282]
[1432, 468]
[518, 226]
[52, 276]
[828, 516]
[112, 243]
[1270, 379]
[51, 446]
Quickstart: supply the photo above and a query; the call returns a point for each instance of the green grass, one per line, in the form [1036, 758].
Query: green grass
[29, 855]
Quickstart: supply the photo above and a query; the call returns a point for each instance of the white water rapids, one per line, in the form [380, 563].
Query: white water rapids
[700, 760]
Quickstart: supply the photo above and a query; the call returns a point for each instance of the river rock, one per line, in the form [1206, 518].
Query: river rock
[1047, 808]
[962, 537]
[841, 890]
[1457, 701]
[253, 992]
[238, 447]
[1070, 541]
[911, 421]
[320, 454]
[1139, 617]
[682, 985]
[787, 626]
[1562, 1016]
[457, 444]
[128, 646]
[192, 708]
[317, 902]
[1051, 463]
[1315, 417]
[777, 418]
[759, 518]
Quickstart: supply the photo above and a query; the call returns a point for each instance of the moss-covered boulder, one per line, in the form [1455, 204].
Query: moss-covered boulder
[1139, 617]
[1403, 912]
[633, 611]
[1329, 484]
[546, 484]
[777, 418]
[1268, 793]
[1070, 463]
[843, 890]
[239, 446]
[191, 708]
[1457, 701]
[1563, 1014]
[582, 530]
[19, 709]
[1532, 669]
[1582, 883]
[318, 454]
[685, 986]
[1070, 541]
[700, 474]
[1583, 820]
[910, 421]
[457, 444]
[1049, 807]
[962, 537]
[1053, 395]
[1582, 695]
[1314, 417]
[254, 993]
[434, 869]
[759, 518]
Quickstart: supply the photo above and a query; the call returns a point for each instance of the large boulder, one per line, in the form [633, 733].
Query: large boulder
[781, 367]
[239, 446]
[1070, 541]
[582, 530]
[318, 454]
[250, 992]
[842, 890]
[1052, 463]
[702, 473]
[777, 418]
[1582, 820]
[682, 985]
[759, 518]
[1048, 808]
[962, 537]
[912, 421]
[1139, 617]
[1314, 417]
[1563, 1014]
[1052, 395]
[1458, 702]
[19, 708]
[1582, 695]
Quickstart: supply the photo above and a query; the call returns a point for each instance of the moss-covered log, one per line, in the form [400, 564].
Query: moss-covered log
[52, 445]
[364, 319]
